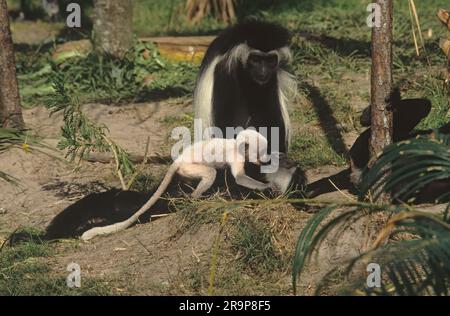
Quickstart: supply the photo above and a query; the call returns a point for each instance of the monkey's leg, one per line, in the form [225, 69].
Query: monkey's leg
[238, 171]
[195, 171]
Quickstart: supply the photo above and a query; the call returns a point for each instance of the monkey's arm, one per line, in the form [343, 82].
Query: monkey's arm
[238, 171]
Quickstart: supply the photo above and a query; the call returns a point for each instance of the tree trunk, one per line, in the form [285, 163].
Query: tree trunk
[444, 43]
[10, 111]
[381, 82]
[224, 10]
[113, 28]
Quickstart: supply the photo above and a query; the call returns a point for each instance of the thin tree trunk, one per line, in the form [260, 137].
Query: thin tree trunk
[10, 110]
[381, 82]
[444, 43]
[223, 10]
[113, 28]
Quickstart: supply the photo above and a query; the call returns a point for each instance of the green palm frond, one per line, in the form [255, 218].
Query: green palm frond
[413, 265]
[407, 167]
[416, 260]
[319, 227]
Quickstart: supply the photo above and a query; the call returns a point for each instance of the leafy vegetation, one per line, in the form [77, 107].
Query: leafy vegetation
[25, 272]
[413, 165]
[331, 50]
[141, 75]
[254, 244]
[80, 135]
[416, 260]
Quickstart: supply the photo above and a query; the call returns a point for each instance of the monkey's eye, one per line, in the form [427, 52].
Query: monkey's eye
[272, 60]
[254, 59]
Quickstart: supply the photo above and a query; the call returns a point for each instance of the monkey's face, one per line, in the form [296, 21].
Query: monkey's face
[262, 66]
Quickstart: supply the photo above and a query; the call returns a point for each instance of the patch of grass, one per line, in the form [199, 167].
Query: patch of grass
[253, 243]
[186, 120]
[138, 77]
[24, 271]
[145, 182]
[311, 149]
[193, 215]
[334, 64]
[436, 93]
[231, 280]
[234, 281]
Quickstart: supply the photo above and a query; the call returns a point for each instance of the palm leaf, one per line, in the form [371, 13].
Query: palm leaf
[417, 264]
[411, 266]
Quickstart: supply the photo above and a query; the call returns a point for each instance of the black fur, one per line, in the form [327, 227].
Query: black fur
[407, 114]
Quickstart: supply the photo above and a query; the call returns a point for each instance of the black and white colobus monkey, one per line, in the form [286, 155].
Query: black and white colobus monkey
[244, 81]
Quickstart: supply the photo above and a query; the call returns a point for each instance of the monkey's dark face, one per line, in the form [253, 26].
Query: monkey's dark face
[262, 66]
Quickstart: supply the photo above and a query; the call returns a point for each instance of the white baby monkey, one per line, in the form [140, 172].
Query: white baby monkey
[200, 161]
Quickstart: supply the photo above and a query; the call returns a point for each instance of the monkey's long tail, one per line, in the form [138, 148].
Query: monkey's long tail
[91, 233]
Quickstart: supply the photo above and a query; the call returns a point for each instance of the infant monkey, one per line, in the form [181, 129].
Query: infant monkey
[200, 161]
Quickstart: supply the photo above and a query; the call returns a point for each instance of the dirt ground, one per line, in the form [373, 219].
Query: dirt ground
[150, 258]
[158, 257]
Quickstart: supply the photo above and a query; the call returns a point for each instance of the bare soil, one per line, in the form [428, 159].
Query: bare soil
[153, 258]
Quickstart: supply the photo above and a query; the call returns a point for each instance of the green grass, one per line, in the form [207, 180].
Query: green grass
[322, 65]
[253, 243]
[24, 271]
[311, 150]
[103, 79]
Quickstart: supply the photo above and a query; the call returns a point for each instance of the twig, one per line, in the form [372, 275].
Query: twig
[136, 159]
[141, 167]
[143, 246]
[422, 42]
[159, 215]
[413, 29]
[339, 190]
[116, 158]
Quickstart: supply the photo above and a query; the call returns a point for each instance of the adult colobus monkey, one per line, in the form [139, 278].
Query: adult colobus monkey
[243, 81]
